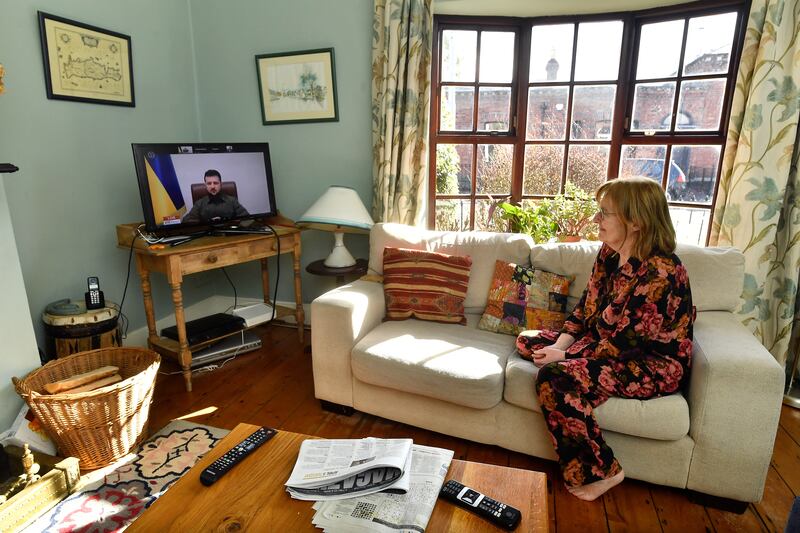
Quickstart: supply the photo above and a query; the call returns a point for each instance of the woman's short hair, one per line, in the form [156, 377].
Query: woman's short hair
[641, 201]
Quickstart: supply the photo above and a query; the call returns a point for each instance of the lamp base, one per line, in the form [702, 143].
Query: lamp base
[339, 257]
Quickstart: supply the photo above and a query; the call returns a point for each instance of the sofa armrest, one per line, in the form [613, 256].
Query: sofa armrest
[339, 319]
[735, 394]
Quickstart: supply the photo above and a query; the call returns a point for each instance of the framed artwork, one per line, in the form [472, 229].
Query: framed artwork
[297, 87]
[84, 63]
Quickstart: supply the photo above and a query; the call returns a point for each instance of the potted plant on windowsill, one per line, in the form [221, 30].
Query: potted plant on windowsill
[535, 221]
[567, 217]
[573, 213]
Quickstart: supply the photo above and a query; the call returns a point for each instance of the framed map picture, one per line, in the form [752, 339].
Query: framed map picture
[297, 87]
[84, 63]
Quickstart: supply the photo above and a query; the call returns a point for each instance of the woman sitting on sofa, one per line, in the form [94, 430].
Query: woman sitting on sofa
[630, 335]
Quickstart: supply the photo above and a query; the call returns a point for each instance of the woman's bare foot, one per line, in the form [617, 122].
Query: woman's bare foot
[592, 491]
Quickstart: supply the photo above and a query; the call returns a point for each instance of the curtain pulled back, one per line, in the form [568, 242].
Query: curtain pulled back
[401, 61]
[758, 208]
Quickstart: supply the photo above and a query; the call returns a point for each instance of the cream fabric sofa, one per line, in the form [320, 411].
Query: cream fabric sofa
[715, 438]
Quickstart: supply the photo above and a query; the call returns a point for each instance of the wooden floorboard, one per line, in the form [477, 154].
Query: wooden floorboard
[274, 386]
[631, 510]
[675, 514]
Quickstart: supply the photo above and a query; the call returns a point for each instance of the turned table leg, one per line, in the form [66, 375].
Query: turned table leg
[265, 281]
[184, 355]
[147, 297]
[299, 314]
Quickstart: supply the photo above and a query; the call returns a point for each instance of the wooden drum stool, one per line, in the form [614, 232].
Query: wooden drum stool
[71, 328]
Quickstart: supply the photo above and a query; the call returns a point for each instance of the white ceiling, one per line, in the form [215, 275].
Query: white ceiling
[535, 8]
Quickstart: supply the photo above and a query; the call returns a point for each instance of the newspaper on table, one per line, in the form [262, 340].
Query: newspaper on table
[391, 513]
[333, 469]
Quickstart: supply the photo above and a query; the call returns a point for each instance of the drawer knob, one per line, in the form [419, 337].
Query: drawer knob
[212, 258]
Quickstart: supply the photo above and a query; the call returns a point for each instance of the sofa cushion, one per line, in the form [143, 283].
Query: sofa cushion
[522, 298]
[665, 418]
[457, 364]
[425, 285]
[716, 274]
[484, 248]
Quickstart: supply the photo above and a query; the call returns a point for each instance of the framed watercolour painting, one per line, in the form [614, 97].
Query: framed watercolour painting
[84, 63]
[297, 87]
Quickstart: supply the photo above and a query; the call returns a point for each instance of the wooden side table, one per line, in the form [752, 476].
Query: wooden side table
[318, 268]
[208, 253]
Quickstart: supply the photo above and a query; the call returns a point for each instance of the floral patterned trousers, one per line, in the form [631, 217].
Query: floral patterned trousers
[569, 390]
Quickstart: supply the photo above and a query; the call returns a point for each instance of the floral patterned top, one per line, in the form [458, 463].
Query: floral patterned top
[642, 309]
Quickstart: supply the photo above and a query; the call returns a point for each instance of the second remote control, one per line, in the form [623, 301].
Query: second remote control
[232, 457]
[496, 512]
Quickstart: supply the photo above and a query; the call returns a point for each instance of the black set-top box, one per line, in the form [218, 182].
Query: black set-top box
[207, 328]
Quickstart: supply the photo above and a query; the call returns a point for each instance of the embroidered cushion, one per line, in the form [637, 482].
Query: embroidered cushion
[425, 285]
[523, 298]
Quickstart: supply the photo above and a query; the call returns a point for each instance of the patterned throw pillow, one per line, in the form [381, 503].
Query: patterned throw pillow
[523, 298]
[425, 285]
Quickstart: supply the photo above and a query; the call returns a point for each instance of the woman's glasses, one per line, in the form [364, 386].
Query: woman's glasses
[602, 214]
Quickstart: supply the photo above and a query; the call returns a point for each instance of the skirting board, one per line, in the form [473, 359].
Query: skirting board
[213, 304]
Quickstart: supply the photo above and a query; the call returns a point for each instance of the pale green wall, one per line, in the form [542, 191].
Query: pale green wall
[76, 178]
[306, 158]
[18, 354]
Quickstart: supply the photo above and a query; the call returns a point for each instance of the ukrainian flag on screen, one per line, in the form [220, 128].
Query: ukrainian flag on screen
[165, 192]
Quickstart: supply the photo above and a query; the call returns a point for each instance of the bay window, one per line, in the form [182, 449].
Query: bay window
[521, 106]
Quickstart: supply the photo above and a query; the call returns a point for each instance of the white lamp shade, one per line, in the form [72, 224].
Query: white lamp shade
[339, 209]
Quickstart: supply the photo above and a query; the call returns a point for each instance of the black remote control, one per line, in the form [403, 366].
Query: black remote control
[234, 456]
[496, 512]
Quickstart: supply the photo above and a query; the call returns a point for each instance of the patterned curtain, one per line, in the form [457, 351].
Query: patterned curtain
[401, 78]
[758, 206]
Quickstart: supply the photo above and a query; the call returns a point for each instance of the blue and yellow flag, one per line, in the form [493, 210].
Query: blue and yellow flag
[165, 191]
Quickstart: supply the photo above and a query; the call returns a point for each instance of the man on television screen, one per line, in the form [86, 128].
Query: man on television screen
[216, 206]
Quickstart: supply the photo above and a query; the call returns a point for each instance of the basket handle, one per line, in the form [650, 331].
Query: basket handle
[20, 387]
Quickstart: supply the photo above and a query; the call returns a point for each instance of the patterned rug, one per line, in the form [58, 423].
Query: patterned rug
[125, 489]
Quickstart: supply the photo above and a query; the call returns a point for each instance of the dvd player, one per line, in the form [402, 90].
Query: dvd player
[247, 341]
[207, 328]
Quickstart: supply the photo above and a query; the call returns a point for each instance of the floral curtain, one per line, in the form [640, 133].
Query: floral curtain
[758, 208]
[401, 60]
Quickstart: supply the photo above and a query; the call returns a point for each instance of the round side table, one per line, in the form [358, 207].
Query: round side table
[318, 268]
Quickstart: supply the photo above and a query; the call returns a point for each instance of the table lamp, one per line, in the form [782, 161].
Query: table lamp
[341, 211]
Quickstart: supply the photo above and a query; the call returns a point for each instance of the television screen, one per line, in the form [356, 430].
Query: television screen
[203, 184]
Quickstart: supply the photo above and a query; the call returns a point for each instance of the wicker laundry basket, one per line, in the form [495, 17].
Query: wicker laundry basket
[100, 426]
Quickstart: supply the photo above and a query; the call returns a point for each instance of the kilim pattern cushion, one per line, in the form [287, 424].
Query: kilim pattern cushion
[523, 298]
[425, 285]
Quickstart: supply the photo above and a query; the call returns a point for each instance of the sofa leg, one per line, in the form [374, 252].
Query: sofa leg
[724, 504]
[336, 408]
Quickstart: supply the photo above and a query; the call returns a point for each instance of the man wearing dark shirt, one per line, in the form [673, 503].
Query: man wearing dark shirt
[216, 206]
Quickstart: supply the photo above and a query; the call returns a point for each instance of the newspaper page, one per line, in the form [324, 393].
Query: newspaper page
[391, 513]
[340, 468]
[378, 479]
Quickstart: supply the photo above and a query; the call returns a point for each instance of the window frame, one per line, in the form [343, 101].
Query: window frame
[620, 131]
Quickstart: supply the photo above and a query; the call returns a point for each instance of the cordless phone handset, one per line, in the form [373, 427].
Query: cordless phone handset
[94, 296]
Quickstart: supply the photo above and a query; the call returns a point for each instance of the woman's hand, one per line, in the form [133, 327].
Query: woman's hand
[548, 354]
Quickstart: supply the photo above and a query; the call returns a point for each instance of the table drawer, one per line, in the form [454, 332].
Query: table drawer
[206, 260]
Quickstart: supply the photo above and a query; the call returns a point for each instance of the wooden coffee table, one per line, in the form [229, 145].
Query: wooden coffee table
[252, 496]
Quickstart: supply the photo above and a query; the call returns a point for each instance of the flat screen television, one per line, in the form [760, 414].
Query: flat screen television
[191, 186]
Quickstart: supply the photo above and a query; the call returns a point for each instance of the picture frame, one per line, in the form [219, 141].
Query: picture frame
[84, 63]
[297, 87]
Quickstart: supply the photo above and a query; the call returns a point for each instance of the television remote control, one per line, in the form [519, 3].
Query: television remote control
[496, 512]
[234, 456]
